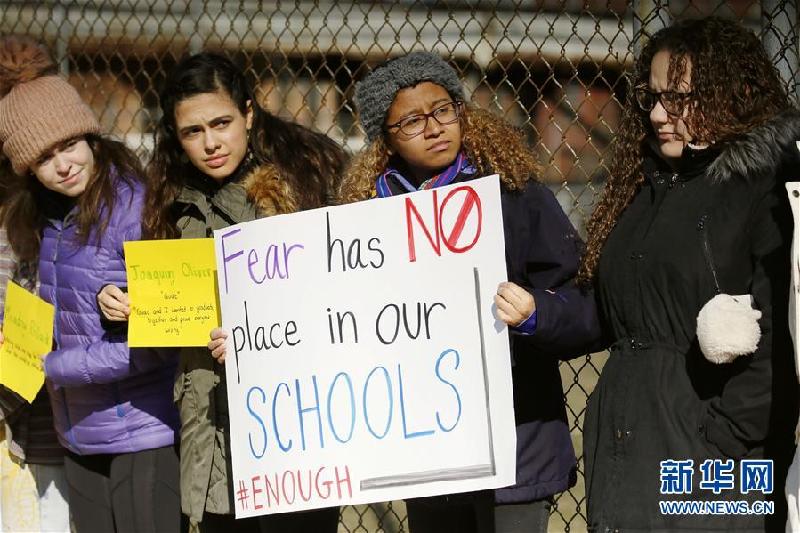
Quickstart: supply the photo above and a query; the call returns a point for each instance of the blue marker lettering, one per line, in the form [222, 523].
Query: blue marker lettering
[301, 412]
[257, 455]
[352, 407]
[391, 402]
[283, 447]
[455, 390]
[406, 434]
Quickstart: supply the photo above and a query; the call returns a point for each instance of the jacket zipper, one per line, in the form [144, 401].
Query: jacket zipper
[62, 390]
[703, 227]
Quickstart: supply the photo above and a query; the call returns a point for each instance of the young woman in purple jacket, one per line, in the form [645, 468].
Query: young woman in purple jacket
[74, 198]
[421, 134]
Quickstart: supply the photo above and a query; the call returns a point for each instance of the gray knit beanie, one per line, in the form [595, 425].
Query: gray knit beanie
[375, 93]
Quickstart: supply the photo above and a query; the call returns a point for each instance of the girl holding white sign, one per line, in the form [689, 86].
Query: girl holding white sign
[74, 197]
[221, 159]
[422, 134]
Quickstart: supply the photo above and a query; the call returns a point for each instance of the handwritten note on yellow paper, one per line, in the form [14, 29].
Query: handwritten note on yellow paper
[28, 332]
[172, 286]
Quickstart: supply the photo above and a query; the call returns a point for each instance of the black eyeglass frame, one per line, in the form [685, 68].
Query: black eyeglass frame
[458, 106]
[681, 99]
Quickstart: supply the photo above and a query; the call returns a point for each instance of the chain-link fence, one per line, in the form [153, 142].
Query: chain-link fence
[554, 67]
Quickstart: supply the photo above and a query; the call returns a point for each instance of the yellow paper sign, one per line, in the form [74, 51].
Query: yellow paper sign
[28, 332]
[172, 286]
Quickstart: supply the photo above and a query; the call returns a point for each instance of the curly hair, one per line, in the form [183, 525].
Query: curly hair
[491, 144]
[734, 88]
[309, 161]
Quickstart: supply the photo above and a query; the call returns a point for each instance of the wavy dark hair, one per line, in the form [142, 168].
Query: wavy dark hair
[24, 198]
[491, 144]
[735, 88]
[310, 162]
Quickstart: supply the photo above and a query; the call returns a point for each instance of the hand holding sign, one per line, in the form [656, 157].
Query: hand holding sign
[217, 344]
[27, 337]
[114, 304]
[514, 304]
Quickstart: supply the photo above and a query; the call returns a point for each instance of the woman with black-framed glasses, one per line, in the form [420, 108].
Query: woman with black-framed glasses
[673, 102]
[422, 135]
[688, 252]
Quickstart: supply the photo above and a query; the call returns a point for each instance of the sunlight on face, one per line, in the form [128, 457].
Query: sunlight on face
[213, 132]
[66, 168]
[437, 146]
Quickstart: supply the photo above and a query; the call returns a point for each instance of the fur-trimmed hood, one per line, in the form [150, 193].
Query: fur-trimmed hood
[257, 191]
[269, 193]
[759, 152]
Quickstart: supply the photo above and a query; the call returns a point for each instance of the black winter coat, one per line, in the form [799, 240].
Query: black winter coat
[658, 398]
[542, 255]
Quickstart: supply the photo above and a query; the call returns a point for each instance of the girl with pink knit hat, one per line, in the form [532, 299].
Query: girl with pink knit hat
[73, 198]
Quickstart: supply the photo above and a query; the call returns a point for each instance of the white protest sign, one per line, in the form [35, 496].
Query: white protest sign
[364, 360]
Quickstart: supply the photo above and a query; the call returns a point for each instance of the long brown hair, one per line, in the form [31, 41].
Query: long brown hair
[22, 213]
[490, 143]
[310, 162]
[734, 88]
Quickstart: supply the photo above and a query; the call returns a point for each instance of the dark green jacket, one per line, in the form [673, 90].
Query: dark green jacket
[200, 391]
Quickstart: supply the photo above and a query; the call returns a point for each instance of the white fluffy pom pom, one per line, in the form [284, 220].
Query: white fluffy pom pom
[727, 327]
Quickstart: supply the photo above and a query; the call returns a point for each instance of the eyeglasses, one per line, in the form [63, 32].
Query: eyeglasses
[413, 125]
[673, 102]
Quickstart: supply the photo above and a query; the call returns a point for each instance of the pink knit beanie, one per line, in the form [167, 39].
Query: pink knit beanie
[38, 108]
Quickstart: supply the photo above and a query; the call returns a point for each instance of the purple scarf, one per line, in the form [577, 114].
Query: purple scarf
[383, 190]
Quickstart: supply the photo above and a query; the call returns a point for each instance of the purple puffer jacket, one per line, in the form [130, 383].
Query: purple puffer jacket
[106, 398]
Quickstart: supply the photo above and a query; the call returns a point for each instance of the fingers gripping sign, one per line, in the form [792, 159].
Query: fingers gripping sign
[114, 303]
[217, 344]
[514, 304]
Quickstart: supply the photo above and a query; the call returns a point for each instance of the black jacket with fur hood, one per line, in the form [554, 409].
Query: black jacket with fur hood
[720, 218]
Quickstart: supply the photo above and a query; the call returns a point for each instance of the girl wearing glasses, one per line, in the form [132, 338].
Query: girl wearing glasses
[689, 253]
[421, 134]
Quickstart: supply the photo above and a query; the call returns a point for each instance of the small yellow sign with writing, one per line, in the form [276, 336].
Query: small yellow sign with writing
[172, 286]
[28, 332]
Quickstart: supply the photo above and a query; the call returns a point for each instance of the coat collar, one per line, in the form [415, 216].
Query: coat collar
[262, 184]
[755, 154]
[693, 163]
[760, 151]
[271, 194]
